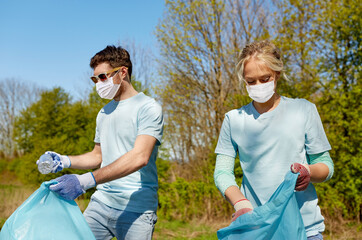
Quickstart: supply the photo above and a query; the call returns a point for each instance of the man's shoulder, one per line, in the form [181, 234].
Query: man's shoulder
[246, 109]
[109, 107]
[148, 102]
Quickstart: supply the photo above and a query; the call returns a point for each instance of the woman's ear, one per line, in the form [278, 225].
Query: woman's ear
[277, 75]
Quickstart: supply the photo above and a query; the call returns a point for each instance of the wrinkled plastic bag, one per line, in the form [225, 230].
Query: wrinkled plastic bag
[277, 219]
[44, 215]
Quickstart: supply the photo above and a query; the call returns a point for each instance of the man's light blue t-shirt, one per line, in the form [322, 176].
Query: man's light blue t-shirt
[268, 144]
[118, 125]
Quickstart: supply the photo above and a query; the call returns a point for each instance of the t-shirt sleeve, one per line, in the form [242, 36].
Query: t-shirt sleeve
[225, 144]
[150, 121]
[315, 138]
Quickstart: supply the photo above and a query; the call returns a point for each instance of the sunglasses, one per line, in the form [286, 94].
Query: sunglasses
[104, 76]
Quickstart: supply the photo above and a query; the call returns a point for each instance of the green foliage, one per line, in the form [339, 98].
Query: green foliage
[340, 103]
[297, 23]
[187, 199]
[321, 46]
[343, 128]
[139, 87]
[199, 42]
[163, 169]
[41, 120]
[3, 164]
[53, 123]
[321, 41]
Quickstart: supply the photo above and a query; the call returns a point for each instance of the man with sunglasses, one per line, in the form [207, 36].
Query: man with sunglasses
[128, 132]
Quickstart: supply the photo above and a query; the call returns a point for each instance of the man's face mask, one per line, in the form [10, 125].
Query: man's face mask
[261, 93]
[107, 89]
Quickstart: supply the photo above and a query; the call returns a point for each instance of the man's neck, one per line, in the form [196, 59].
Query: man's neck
[125, 93]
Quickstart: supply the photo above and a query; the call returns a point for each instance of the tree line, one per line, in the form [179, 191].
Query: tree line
[199, 42]
[321, 45]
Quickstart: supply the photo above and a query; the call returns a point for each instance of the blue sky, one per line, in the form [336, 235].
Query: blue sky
[50, 42]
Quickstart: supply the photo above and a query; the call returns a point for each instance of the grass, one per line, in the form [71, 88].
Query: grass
[179, 230]
[11, 197]
[340, 229]
[13, 194]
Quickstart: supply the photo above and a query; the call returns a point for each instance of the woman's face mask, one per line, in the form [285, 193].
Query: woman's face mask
[260, 80]
[261, 93]
[107, 89]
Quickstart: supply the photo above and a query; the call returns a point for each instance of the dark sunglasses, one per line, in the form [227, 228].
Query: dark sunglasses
[104, 76]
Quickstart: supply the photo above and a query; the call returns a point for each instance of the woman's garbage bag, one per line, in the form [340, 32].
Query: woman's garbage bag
[44, 215]
[277, 219]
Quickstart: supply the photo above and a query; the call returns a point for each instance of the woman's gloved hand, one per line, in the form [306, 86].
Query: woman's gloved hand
[304, 175]
[241, 207]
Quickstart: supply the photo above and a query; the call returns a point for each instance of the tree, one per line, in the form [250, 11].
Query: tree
[54, 123]
[322, 44]
[14, 97]
[199, 42]
[340, 69]
[143, 65]
[42, 121]
[297, 25]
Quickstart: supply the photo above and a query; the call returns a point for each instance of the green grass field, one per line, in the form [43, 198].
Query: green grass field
[178, 230]
[13, 194]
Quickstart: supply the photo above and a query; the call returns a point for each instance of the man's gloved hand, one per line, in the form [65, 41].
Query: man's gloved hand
[304, 175]
[71, 186]
[241, 207]
[60, 161]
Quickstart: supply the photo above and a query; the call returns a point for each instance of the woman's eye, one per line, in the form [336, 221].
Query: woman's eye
[266, 79]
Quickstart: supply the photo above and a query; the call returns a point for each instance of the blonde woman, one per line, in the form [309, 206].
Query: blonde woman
[272, 135]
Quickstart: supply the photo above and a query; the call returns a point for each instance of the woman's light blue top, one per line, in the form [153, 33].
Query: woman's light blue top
[268, 144]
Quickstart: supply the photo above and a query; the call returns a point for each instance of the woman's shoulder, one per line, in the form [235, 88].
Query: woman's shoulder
[298, 102]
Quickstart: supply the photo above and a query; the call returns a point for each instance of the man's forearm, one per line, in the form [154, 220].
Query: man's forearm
[125, 165]
[90, 160]
[128, 163]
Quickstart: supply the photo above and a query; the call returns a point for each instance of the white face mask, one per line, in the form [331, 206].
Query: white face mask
[261, 93]
[107, 89]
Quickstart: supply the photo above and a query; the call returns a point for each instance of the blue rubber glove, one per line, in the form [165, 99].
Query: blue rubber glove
[71, 186]
[59, 161]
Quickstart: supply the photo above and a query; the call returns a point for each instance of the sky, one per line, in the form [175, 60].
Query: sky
[50, 42]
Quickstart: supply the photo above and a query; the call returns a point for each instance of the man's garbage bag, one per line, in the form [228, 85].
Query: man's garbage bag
[277, 219]
[44, 215]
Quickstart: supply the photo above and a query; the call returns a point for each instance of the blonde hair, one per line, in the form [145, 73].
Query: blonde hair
[264, 51]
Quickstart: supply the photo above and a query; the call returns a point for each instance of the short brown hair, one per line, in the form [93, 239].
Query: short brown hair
[115, 56]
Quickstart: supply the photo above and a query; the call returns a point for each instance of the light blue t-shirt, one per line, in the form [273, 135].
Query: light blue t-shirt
[118, 125]
[268, 144]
